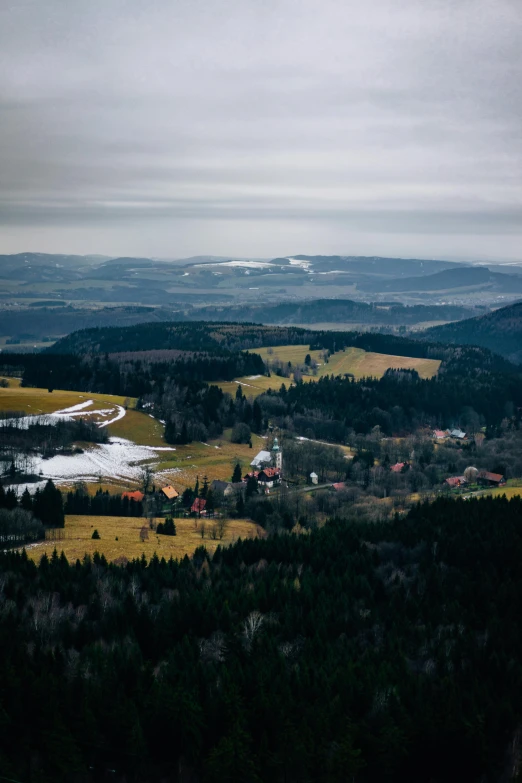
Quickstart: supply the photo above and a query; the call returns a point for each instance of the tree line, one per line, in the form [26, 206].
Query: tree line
[358, 652]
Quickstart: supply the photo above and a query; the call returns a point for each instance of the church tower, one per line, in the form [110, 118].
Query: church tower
[277, 456]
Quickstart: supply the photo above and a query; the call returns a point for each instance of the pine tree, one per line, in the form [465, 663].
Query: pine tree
[204, 488]
[257, 417]
[236, 475]
[11, 499]
[48, 506]
[26, 501]
[252, 487]
[240, 505]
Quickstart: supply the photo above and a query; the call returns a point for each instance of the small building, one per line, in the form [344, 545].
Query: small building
[136, 495]
[314, 478]
[261, 460]
[490, 479]
[399, 467]
[339, 485]
[455, 481]
[269, 477]
[169, 492]
[459, 434]
[198, 506]
[227, 488]
[440, 434]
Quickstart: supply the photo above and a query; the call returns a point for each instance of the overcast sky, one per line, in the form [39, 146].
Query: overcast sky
[262, 127]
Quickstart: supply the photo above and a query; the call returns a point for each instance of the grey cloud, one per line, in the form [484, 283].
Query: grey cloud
[375, 121]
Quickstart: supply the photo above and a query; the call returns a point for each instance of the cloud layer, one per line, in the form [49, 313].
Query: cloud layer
[171, 128]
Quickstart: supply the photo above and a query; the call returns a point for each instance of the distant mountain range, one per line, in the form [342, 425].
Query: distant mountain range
[466, 277]
[500, 331]
[205, 280]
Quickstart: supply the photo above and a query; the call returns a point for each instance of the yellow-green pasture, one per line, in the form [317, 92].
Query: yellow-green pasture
[359, 363]
[38, 401]
[78, 539]
[513, 488]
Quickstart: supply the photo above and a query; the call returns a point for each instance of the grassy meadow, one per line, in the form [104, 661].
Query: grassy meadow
[37, 401]
[120, 536]
[215, 459]
[361, 364]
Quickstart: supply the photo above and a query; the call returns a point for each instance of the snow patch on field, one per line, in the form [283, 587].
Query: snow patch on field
[300, 262]
[241, 264]
[73, 408]
[117, 459]
[121, 413]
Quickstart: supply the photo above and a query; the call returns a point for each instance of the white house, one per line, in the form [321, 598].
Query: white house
[314, 478]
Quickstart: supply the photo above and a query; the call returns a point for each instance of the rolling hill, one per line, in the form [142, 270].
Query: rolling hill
[500, 331]
[465, 277]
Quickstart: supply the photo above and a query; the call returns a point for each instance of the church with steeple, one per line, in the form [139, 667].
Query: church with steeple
[268, 466]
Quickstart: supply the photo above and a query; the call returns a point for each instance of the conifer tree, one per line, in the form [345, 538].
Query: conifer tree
[236, 475]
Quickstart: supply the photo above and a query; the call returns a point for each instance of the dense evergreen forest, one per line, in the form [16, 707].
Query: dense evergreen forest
[472, 384]
[500, 331]
[358, 652]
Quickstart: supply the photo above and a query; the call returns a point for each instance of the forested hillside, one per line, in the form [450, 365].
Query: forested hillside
[360, 652]
[500, 331]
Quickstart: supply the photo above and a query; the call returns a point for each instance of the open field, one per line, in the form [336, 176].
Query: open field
[13, 383]
[36, 401]
[288, 353]
[512, 489]
[359, 363]
[364, 364]
[215, 459]
[140, 428]
[79, 529]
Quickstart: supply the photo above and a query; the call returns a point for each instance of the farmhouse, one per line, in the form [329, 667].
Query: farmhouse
[490, 479]
[198, 506]
[455, 481]
[169, 492]
[136, 495]
[269, 477]
[457, 434]
[227, 488]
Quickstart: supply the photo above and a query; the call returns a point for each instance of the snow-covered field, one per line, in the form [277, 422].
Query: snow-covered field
[300, 262]
[116, 412]
[119, 459]
[241, 264]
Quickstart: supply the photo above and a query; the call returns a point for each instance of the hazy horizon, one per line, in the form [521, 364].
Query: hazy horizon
[179, 129]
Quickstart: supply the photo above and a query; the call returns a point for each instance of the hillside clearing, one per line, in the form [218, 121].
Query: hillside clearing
[359, 363]
[34, 401]
[78, 539]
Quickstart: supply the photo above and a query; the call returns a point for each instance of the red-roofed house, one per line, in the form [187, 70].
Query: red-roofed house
[399, 467]
[339, 485]
[455, 481]
[440, 434]
[269, 476]
[136, 495]
[198, 506]
[490, 479]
